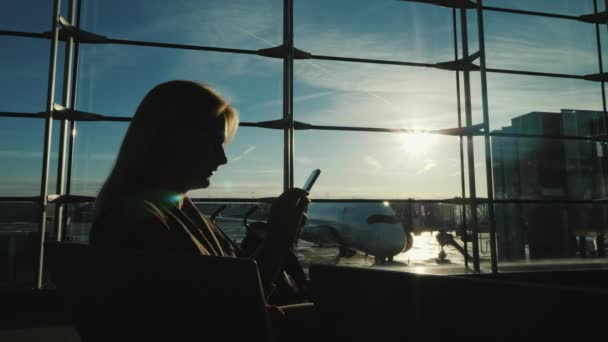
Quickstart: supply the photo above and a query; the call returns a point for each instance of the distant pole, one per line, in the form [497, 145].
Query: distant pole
[288, 94]
[463, 216]
[486, 128]
[48, 135]
[470, 149]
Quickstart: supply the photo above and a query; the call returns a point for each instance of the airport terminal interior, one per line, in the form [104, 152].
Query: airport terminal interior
[454, 137]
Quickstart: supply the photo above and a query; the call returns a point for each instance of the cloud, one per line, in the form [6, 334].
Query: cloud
[373, 162]
[429, 164]
[21, 154]
[260, 171]
[299, 159]
[297, 99]
[243, 154]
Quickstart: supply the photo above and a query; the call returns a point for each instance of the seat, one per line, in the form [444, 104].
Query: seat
[141, 297]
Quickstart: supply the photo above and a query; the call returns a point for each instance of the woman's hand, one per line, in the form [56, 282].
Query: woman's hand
[288, 215]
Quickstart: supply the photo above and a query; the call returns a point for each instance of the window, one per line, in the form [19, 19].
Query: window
[384, 104]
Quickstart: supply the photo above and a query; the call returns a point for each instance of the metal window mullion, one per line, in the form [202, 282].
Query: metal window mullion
[23, 34]
[532, 13]
[72, 105]
[288, 94]
[470, 150]
[603, 184]
[601, 66]
[63, 137]
[48, 130]
[20, 115]
[486, 122]
[319, 57]
[463, 215]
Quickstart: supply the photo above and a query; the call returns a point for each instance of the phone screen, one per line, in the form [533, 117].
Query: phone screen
[311, 179]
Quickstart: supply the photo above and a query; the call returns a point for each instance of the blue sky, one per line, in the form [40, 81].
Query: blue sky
[113, 79]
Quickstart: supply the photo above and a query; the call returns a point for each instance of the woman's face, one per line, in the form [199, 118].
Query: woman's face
[207, 154]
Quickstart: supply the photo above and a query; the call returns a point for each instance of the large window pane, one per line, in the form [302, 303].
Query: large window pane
[254, 169]
[550, 234]
[230, 216]
[26, 15]
[20, 156]
[243, 24]
[24, 67]
[516, 98]
[567, 7]
[386, 29]
[549, 169]
[114, 79]
[351, 94]
[379, 165]
[531, 43]
[18, 243]
[95, 149]
[254, 166]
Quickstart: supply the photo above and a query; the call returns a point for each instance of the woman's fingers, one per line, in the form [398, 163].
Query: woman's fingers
[290, 200]
[287, 212]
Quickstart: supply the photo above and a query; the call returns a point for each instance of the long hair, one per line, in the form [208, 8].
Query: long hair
[168, 113]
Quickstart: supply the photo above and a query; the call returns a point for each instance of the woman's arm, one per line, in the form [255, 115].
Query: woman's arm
[287, 216]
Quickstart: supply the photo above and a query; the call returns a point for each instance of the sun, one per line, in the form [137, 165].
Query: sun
[417, 144]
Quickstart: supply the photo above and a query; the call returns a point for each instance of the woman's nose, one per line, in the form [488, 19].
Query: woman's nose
[222, 156]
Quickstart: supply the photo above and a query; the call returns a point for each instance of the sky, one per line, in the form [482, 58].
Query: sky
[113, 79]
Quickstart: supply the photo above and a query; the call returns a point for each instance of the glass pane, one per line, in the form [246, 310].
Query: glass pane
[20, 156]
[24, 64]
[254, 169]
[252, 84]
[603, 38]
[254, 166]
[550, 235]
[411, 235]
[379, 165]
[543, 104]
[18, 243]
[243, 24]
[549, 169]
[531, 43]
[567, 7]
[231, 217]
[80, 219]
[95, 149]
[351, 94]
[386, 29]
[26, 15]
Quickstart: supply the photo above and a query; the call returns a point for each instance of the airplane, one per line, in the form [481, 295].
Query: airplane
[369, 228]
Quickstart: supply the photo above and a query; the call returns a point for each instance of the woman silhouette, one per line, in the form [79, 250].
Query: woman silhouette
[174, 144]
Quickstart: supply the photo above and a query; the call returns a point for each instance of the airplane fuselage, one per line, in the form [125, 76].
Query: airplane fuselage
[370, 228]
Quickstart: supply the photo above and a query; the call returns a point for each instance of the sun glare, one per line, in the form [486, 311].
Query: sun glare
[417, 144]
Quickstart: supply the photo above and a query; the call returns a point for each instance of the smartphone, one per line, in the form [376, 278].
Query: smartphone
[311, 179]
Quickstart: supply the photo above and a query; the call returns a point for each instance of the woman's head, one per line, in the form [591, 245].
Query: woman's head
[175, 140]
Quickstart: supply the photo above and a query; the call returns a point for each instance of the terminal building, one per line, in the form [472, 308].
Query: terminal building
[558, 171]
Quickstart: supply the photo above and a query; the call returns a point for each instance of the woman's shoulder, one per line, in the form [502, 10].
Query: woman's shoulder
[125, 218]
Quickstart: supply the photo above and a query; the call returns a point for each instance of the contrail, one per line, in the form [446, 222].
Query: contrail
[386, 101]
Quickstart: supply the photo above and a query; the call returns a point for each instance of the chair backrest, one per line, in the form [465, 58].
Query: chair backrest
[365, 303]
[138, 297]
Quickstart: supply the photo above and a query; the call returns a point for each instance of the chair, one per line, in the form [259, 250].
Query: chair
[142, 297]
